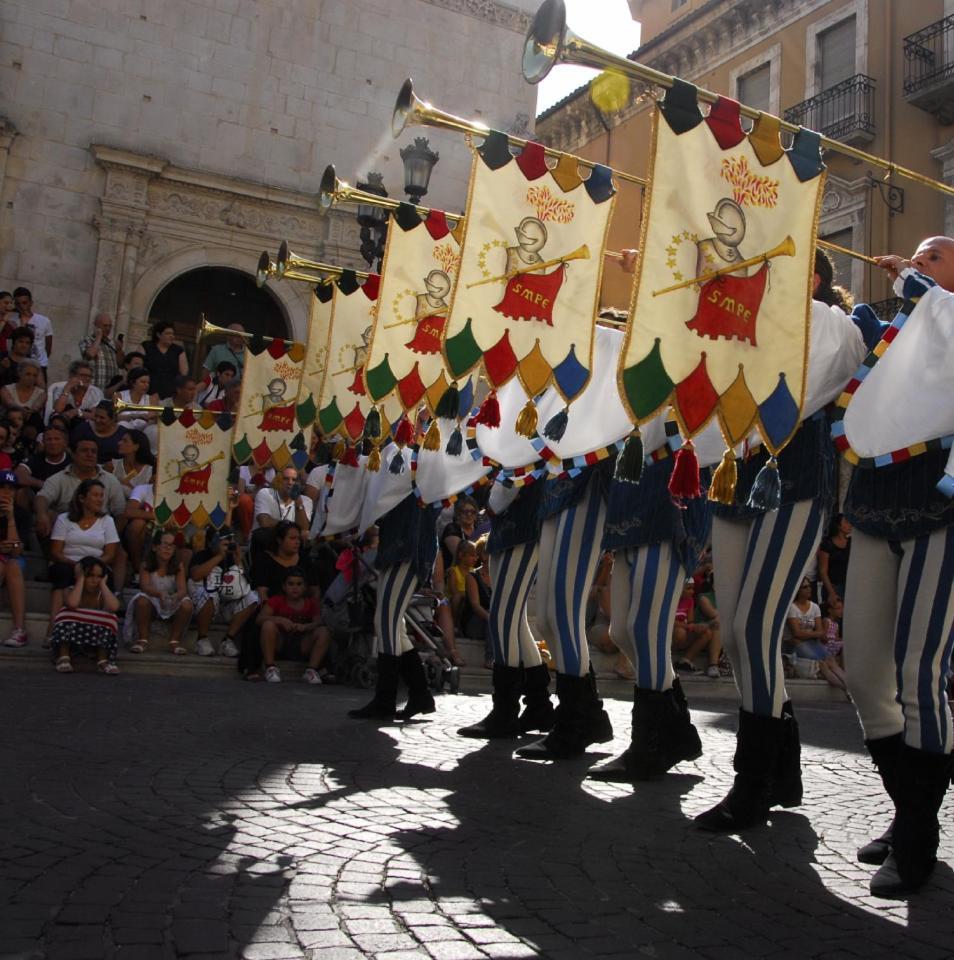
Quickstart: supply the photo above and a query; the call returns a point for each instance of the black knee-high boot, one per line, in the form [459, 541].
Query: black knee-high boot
[761, 742]
[787, 788]
[922, 782]
[384, 702]
[419, 697]
[662, 736]
[538, 712]
[501, 722]
[580, 720]
[885, 752]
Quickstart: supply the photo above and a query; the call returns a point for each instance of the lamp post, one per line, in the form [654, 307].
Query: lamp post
[419, 160]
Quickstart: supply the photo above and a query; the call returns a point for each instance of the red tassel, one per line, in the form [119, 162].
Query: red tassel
[489, 413]
[404, 433]
[350, 459]
[684, 482]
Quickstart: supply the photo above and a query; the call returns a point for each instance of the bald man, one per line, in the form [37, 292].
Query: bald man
[233, 351]
[899, 596]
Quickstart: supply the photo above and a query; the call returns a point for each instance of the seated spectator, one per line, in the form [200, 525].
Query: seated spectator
[51, 458]
[136, 464]
[134, 524]
[690, 637]
[43, 343]
[105, 430]
[232, 351]
[833, 669]
[85, 530]
[136, 393]
[11, 564]
[104, 354]
[88, 621]
[164, 359]
[76, 397]
[807, 637]
[455, 584]
[9, 319]
[283, 501]
[13, 448]
[219, 590]
[184, 392]
[224, 373]
[833, 555]
[27, 396]
[462, 526]
[56, 494]
[162, 593]
[476, 608]
[134, 360]
[229, 400]
[19, 348]
[443, 615]
[293, 614]
[6, 460]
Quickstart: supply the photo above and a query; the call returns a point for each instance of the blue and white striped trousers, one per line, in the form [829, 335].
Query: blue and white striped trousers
[646, 586]
[568, 557]
[757, 567]
[396, 586]
[899, 611]
[512, 573]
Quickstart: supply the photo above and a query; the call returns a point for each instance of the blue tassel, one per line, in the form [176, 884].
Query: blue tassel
[449, 403]
[767, 490]
[556, 425]
[629, 461]
[455, 445]
[372, 425]
[396, 465]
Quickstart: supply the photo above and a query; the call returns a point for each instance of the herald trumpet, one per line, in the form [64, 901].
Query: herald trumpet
[267, 270]
[287, 263]
[124, 406]
[411, 109]
[550, 42]
[208, 329]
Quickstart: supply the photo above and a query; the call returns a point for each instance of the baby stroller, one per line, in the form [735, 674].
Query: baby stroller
[419, 621]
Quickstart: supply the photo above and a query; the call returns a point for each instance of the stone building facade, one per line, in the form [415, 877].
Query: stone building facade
[141, 140]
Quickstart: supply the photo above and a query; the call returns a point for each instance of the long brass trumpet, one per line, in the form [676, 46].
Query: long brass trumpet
[267, 270]
[124, 406]
[580, 253]
[411, 109]
[208, 329]
[550, 42]
[785, 249]
[286, 261]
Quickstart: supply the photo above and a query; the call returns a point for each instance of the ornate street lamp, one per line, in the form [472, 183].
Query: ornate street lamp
[372, 220]
[419, 161]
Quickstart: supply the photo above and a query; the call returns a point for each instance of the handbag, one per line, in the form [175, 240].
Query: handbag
[234, 584]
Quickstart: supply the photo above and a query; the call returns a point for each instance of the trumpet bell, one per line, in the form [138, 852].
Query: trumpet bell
[281, 261]
[327, 189]
[403, 107]
[264, 270]
[544, 43]
[411, 109]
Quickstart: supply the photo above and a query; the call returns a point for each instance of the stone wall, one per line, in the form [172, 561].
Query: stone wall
[234, 107]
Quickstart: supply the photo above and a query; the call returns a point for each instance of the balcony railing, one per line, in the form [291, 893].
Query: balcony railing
[843, 112]
[929, 69]
[888, 309]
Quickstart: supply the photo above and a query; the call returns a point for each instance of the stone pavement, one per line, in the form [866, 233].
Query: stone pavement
[152, 818]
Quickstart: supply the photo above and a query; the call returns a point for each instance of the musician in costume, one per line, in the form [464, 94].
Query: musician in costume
[759, 558]
[518, 667]
[899, 601]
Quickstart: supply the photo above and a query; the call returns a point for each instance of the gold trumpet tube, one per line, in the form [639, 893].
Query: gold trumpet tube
[268, 270]
[409, 108]
[122, 406]
[286, 260]
[785, 249]
[838, 248]
[549, 41]
[211, 329]
[580, 253]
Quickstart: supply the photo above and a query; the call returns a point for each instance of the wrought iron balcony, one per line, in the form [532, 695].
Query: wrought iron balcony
[929, 69]
[888, 309]
[843, 112]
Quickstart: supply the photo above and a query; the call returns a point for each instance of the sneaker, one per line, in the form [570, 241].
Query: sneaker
[684, 666]
[18, 638]
[272, 675]
[204, 647]
[311, 676]
[712, 671]
[228, 648]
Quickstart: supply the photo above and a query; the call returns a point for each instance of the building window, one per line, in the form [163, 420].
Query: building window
[835, 58]
[753, 88]
[841, 261]
[676, 4]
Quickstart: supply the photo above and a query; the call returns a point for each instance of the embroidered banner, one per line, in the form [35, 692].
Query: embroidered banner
[735, 345]
[531, 267]
[266, 430]
[316, 353]
[421, 263]
[192, 476]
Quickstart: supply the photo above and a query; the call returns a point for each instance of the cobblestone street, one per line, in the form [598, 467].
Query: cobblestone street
[154, 818]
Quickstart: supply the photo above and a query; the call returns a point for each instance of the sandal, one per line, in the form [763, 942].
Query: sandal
[107, 667]
[177, 649]
[64, 665]
[140, 646]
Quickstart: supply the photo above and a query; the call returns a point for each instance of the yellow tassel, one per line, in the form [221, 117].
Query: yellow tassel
[374, 459]
[432, 439]
[527, 420]
[722, 488]
[339, 451]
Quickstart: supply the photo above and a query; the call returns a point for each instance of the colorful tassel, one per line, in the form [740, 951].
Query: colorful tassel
[432, 439]
[489, 413]
[556, 425]
[339, 451]
[526, 424]
[404, 433]
[374, 459]
[372, 425]
[350, 457]
[447, 406]
[629, 461]
[397, 463]
[724, 480]
[684, 482]
[767, 490]
[455, 445]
